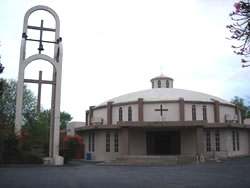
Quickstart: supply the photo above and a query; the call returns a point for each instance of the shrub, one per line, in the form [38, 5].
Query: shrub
[28, 157]
[70, 145]
[9, 152]
[16, 149]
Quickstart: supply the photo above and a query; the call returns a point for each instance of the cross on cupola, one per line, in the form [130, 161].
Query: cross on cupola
[161, 110]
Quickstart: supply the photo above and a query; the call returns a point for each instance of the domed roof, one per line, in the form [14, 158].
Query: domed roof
[162, 76]
[161, 94]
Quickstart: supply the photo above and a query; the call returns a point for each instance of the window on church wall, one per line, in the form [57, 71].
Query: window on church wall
[208, 141]
[120, 114]
[193, 112]
[238, 140]
[152, 84]
[93, 141]
[89, 141]
[233, 140]
[87, 118]
[167, 84]
[116, 141]
[217, 140]
[130, 113]
[159, 83]
[107, 141]
[204, 112]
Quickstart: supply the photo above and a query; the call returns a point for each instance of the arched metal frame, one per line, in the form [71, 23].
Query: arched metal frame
[56, 61]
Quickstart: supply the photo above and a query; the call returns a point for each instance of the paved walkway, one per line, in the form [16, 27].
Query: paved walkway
[230, 173]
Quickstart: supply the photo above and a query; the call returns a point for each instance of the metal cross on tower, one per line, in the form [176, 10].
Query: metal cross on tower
[41, 28]
[39, 82]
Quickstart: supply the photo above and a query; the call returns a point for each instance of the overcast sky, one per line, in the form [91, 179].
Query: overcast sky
[114, 47]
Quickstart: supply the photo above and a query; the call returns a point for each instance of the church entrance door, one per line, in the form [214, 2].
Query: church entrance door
[163, 143]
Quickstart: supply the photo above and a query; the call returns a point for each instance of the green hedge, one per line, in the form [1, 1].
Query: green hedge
[28, 157]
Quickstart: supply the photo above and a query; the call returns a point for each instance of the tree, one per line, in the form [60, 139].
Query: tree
[64, 119]
[241, 29]
[245, 109]
[8, 103]
[1, 66]
[1, 81]
[1, 89]
[38, 129]
[44, 118]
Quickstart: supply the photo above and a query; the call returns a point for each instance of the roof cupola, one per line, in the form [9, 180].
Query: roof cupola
[162, 81]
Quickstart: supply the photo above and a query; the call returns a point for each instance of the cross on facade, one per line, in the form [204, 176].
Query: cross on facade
[39, 82]
[161, 109]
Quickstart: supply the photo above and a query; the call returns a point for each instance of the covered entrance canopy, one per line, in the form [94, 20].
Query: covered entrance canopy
[163, 143]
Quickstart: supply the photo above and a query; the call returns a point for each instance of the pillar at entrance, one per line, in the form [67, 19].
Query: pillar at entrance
[124, 141]
[56, 61]
[200, 144]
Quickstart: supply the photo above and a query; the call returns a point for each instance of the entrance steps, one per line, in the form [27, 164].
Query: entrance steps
[153, 160]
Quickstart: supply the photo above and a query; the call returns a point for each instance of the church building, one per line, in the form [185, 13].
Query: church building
[164, 121]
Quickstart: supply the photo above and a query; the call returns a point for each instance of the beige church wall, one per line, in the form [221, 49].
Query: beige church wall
[188, 112]
[199, 112]
[95, 155]
[188, 141]
[112, 154]
[137, 142]
[100, 113]
[223, 153]
[173, 113]
[244, 144]
[212, 142]
[223, 144]
[226, 110]
[229, 142]
[106, 156]
[85, 142]
[226, 146]
[239, 116]
[247, 121]
[100, 153]
[134, 112]
[115, 113]
[210, 113]
[70, 127]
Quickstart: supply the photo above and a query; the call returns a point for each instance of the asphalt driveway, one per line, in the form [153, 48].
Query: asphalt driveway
[230, 173]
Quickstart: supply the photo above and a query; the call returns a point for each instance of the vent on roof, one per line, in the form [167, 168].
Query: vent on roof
[97, 121]
[230, 118]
